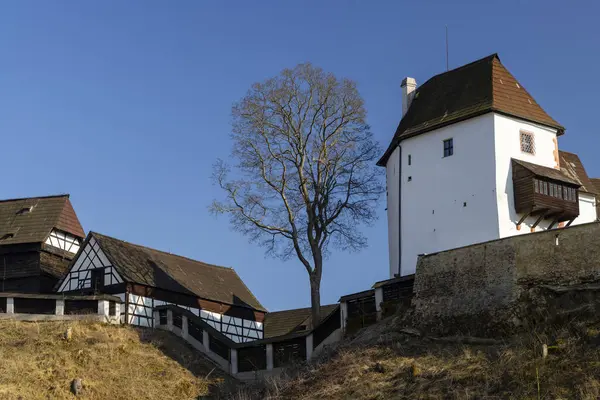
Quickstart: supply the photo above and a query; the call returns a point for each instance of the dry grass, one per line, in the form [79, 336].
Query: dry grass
[399, 366]
[114, 362]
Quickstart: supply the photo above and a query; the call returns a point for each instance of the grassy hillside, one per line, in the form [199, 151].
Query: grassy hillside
[384, 363]
[36, 362]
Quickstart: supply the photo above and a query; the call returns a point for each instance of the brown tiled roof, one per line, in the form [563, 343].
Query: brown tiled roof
[482, 86]
[571, 165]
[281, 323]
[155, 268]
[596, 183]
[547, 172]
[34, 227]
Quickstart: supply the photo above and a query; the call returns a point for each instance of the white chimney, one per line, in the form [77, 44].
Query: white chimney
[408, 91]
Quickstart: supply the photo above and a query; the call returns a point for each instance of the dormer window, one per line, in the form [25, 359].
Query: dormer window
[25, 210]
[7, 236]
[527, 142]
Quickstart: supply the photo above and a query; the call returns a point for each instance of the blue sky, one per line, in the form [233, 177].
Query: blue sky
[126, 105]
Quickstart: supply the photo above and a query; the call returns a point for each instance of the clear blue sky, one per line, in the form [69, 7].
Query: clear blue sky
[126, 104]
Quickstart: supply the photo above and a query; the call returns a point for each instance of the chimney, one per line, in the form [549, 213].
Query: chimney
[408, 91]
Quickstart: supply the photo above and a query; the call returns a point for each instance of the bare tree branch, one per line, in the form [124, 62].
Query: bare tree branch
[305, 175]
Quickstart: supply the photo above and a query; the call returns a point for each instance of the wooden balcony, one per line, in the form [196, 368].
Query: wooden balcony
[544, 192]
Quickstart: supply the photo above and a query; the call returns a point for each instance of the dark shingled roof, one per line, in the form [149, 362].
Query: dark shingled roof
[596, 183]
[546, 172]
[281, 323]
[35, 226]
[155, 268]
[571, 165]
[482, 86]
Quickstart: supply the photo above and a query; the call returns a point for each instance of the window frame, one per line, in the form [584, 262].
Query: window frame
[448, 147]
[523, 134]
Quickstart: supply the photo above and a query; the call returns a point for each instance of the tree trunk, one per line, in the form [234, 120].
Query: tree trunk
[315, 299]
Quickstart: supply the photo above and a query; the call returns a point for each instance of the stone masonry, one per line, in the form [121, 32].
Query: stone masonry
[511, 283]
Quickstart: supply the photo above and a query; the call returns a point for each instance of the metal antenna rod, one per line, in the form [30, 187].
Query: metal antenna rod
[447, 68]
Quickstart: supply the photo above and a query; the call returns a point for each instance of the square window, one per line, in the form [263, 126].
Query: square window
[448, 147]
[527, 143]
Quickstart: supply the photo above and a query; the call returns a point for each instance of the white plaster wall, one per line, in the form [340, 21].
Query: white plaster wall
[434, 217]
[587, 209]
[393, 210]
[508, 145]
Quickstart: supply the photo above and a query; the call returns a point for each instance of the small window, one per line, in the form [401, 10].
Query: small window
[448, 147]
[25, 210]
[527, 143]
[409, 159]
[536, 184]
[7, 236]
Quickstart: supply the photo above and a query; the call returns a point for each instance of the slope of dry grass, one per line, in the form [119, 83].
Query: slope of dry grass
[386, 364]
[115, 362]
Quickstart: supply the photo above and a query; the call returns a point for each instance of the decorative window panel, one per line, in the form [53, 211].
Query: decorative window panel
[527, 142]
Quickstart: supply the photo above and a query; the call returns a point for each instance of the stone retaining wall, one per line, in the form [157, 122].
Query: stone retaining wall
[489, 287]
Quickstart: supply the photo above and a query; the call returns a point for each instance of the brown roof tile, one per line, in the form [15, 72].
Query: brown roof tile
[482, 86]
[571, 165]
[547, 172]
[155, 268]
[281, 323]
[34, 227]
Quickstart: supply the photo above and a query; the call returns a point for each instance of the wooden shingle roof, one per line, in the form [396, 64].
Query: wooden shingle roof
[155, 268]
[547, 172]
[474, 89]
[280, 323]
[30, 220]
[571, 165]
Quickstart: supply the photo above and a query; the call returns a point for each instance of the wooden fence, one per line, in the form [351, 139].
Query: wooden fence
[246, 360]
[40, 307]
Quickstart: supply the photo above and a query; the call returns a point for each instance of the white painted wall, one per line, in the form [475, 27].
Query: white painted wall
[587, 209]
[393, 210]
[434, 215]
[507, 139]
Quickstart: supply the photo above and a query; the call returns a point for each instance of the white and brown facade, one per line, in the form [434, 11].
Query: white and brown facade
[38, 238]
[146, 278]
[475, 158]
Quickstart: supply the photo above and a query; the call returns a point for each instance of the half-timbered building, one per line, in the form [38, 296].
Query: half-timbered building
[145, 278]
[39, 236]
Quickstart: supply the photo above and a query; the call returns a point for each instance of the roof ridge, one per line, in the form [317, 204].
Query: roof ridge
[163, 252]
[491, 57]
[36, 197]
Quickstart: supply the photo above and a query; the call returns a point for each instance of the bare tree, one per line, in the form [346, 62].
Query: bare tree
[305, 169]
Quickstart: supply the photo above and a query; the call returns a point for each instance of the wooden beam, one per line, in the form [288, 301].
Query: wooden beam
[554, 222]
[523, 218]
[569, 223]
[542, 216]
